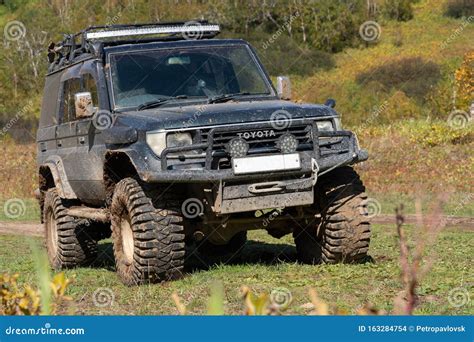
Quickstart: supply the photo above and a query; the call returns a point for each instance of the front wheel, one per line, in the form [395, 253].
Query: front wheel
[147, 234]
[342, 233]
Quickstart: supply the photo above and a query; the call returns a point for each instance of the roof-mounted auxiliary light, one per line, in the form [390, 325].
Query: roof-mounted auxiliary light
[192, 29]
[93, 39]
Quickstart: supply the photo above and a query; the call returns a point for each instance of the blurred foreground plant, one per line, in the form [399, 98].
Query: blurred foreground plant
[411, 260]
[43, 299]
[27, 300]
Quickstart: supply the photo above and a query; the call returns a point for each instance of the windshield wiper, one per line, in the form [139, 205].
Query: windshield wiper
[157, 103]
[225, 97]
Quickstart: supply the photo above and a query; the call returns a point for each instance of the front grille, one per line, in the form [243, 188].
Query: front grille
[259, 140]
[262, 139]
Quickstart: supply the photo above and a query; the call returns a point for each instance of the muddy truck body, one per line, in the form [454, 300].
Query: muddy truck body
[169, 140]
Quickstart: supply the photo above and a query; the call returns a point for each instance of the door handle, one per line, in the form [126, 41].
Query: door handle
[82, 140]
[59, 143]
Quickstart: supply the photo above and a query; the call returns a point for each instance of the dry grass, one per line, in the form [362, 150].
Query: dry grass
[18, 176]
[399, 164]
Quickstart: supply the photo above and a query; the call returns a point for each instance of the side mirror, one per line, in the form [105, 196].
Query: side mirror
[330, 103]
[284, 87]
[83, 104]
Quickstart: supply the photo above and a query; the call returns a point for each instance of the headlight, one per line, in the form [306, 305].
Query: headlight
[337, 124]
[159, 141]
[325, 126]
[178, 139]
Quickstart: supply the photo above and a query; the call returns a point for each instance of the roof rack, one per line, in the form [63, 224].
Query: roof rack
[92, 40]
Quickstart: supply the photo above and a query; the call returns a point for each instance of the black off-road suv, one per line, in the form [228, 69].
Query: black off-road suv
[171, 141]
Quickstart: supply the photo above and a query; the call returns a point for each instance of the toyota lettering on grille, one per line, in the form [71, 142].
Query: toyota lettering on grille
[257, 134]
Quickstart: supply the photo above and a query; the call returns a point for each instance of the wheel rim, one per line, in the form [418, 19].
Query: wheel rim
[52, 233]
[127, 239]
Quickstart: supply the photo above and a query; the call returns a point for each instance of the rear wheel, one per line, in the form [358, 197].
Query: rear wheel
[147, 233]
[342, 234]
[69, 241]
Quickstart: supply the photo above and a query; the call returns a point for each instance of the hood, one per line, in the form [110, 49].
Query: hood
[220, 114]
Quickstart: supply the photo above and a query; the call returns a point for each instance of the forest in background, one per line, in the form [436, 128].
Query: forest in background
[397, 87]
[308, 40]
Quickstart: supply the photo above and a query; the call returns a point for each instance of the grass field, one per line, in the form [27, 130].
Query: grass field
[414, 154]
[268, 264]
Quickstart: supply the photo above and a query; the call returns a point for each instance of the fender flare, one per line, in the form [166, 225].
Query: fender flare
[55, 166]
[137, 162]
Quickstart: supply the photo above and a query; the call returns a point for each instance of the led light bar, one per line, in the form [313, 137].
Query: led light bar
[194, 30]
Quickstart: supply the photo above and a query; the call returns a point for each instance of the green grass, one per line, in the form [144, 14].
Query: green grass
[268, 264]
[458, 204]
[19, 210]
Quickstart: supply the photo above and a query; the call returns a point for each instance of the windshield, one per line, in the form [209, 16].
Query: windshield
[143, 77]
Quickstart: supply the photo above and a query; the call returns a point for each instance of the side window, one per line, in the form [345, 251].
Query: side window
[71, 87]
[91, 86]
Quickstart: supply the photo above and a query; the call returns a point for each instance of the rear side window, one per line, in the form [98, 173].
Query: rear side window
[49, 106]
[70, 88]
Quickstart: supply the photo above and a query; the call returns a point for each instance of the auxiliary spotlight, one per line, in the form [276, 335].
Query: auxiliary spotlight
[238, 148]
[287, 143]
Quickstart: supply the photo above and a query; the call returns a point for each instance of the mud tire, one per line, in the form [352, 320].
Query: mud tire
[147, 234]
[69, 241]
[342, 234]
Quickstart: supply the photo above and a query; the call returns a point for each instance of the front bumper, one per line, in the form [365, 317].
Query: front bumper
[203, 176]
[328, 149]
